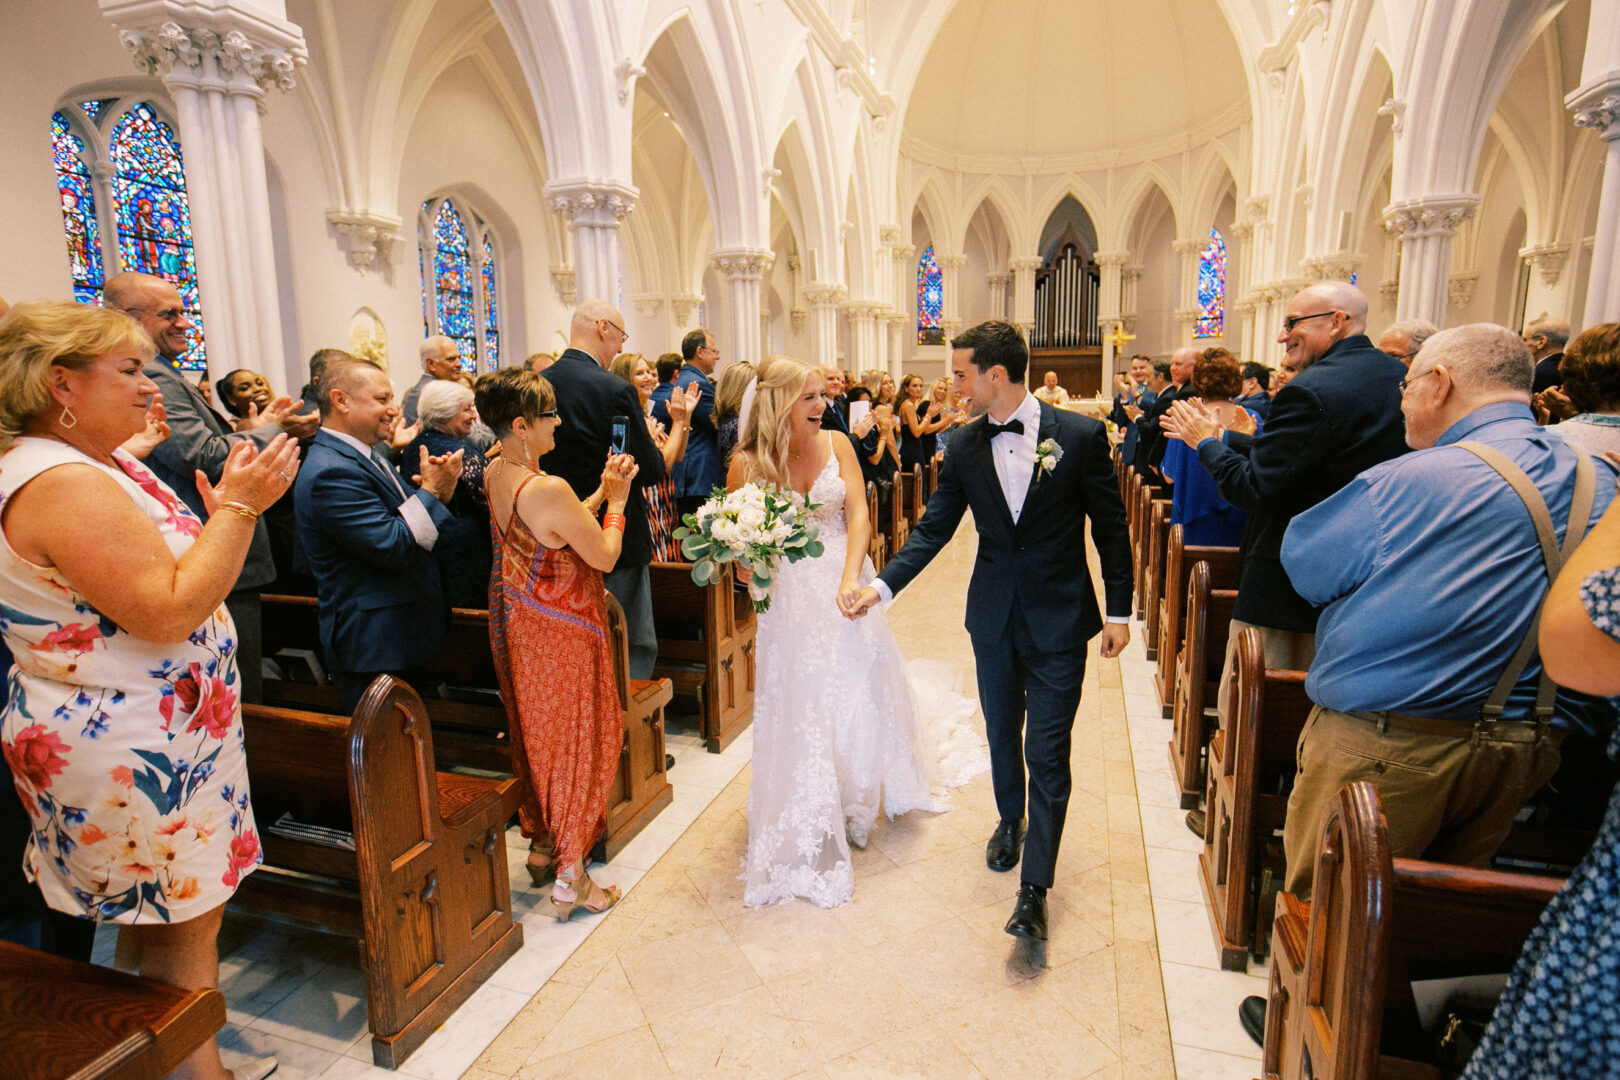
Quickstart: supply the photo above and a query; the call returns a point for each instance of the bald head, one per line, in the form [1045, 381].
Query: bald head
[1546, 336]
[1320, 316]
[1182, 362]
[1461, 370]
[156, 304]
[597, 328]
[1341, 296]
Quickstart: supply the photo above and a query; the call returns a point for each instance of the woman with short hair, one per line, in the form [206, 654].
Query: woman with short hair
[1591, 373]
[123, 725]
[447, 415]
[1196, 503]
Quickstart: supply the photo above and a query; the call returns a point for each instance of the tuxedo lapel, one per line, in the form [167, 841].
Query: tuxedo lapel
[985, 457]
[1038, 484]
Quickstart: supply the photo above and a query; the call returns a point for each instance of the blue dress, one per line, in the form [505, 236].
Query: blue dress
[1195, 501]
[1560, 1014]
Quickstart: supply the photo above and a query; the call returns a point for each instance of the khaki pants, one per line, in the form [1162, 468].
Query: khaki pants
[1290, 649]
[1449, 788]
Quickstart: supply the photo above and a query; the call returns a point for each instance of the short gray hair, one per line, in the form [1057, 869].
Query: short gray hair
[1417, 331]
[1554, 330]
[434, 347]
[440, 400]
[1483, 358]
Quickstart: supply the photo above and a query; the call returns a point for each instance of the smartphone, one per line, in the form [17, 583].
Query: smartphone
[621, 434]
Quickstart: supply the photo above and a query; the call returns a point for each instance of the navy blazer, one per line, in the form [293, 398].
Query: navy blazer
[381, 604]
[1338, 417]
[701, 470]
[588, 398]
[1038, 565]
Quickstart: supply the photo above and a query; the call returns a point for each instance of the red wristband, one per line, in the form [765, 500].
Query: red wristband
[613, 521]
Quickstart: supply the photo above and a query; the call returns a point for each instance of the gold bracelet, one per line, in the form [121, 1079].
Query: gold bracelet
[240, 508]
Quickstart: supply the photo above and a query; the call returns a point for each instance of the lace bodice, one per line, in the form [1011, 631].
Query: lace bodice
[828, 495]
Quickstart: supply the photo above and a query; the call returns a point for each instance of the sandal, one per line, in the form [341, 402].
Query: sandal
[541, 866]
[585, 891]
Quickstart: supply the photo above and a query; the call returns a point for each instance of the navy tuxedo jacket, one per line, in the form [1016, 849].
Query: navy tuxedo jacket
[381, 605]
[1037, 566]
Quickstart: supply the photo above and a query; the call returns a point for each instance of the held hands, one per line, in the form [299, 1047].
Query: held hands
[854, 601]
[681, 404]
[156, 430]
[439, 474]
[254, 478]
[616, 476]
[1192, 422]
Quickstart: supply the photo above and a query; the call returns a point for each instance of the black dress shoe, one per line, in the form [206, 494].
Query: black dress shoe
[1005, 845]
[1029, 914]
[1252, 1015]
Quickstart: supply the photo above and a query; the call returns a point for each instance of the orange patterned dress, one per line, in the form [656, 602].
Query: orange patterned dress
[548, 633]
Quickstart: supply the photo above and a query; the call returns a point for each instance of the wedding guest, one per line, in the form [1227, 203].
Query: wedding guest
[124, 653]
[441, 359]
[921, 421]
[548, 632]
[660, 497]
[1589, 401]
[728, 397]
[244, 394]
[448, 417]
[1196, 504]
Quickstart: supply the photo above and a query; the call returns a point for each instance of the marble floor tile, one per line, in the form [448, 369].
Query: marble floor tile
[605, 1008]
[651, 843]
[630, 1054]
[452, 1049]
[744, 1036]
[1195, 1064]
[1184, 933]
[844, 1004]
[1166, 827]
[328, 1011]
[1203, 1007]
[1021, 1031]
[923, 1053]
[685, 971]
[296, 1060]
[782, 939]
[1174, 875]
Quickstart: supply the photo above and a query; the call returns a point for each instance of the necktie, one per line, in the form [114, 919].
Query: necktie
[1011, 427]
[387, 469]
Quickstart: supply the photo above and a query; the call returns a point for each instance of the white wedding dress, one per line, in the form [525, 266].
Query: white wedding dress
[840, 731]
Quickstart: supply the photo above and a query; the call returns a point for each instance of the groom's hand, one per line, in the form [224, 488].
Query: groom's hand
[860, 604]
[1115, 636]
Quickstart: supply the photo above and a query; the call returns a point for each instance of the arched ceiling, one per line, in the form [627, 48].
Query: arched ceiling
[1043, 82]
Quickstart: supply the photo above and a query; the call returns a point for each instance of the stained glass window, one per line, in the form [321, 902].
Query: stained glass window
[930, 299]
[79, 224]
[492, 321]
[94, 109]
[460, 293]
[1211, 288]
[153, 218]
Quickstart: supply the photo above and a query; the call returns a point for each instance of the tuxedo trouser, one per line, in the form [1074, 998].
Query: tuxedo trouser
[631, 586]
[1029, 696]
[247, 613]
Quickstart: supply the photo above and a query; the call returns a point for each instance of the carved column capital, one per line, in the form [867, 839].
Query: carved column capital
[1460, 289]
[1112, 258]
[562, 277]
[592, 202]
[370, 237]
[1548, 259]
[236, 51]
[1430, 215]
[683, 306]
[1336, 267]
[647, 304]
[742, 263]
[1596, 105]
[825, 294]
[1025, 262]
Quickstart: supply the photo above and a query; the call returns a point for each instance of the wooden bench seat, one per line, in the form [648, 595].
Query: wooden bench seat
[1158, 545]
[1251, 762]
[63, 1018]
[913, 494]
[426, 886]
[1141, 551]
[1179, 560]
[1204, 630]
[706, 647]
[1341, 1003]
[878, 546]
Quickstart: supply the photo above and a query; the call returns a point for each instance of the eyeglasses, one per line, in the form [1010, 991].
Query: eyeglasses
[168, 315]
[549, 414]
[1410, 379]
[1294, 320]
[619, 328]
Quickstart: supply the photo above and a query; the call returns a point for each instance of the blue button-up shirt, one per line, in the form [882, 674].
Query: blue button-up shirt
[1430, 571]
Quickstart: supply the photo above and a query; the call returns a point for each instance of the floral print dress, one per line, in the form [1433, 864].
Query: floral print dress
[128, 755]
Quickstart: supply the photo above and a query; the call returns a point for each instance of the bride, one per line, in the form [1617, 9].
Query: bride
[837, 731]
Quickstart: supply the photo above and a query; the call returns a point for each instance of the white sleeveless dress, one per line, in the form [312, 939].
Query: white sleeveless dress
[126, 753]
[838, 731]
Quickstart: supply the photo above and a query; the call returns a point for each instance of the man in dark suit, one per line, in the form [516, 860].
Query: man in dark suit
[702, 469]
[1546, 339]
[369, 536]
[1256, 384]
[1032, 475]
[588, 398]
[201, 439]
[1149, 439]
[1340, 415]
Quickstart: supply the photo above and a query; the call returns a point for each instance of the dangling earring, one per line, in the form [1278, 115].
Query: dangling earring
[67, 419]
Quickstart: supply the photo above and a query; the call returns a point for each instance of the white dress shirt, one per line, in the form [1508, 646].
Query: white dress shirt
[417, 519]
[1014, 455]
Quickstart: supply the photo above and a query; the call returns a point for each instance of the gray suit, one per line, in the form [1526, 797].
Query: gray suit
[199, 438]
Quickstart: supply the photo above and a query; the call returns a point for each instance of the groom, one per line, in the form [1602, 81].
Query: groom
[1031, 474]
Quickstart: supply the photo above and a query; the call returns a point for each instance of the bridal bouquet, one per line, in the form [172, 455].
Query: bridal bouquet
[754, 526]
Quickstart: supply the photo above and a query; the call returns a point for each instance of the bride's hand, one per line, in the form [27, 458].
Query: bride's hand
[742, 572]
[848, 593]
[864, 601]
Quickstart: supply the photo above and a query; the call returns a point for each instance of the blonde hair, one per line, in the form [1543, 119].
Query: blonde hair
[778, 383]
[39, 334]
[729, 394]
[624, 366]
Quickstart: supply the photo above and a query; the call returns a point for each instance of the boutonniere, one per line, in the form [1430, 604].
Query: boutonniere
[1047, 455]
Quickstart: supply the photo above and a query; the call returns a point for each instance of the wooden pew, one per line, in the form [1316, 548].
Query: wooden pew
[471, 728]
[878, 546]
[1178, 563]
[1341, 1005]
[1205, 626]
[1158, 543]
[63, 1018]
[426, 886]
[1251, 759]
[895, 524]
[912, 495]
[1145, 498]
[706, 647]
[933, 473]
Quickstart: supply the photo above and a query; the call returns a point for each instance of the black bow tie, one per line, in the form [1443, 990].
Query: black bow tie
[1011, 427]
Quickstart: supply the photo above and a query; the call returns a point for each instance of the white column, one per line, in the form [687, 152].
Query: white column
[1111, 265]
[1023, 268]
[1425, 226]
[1596, 105]
[594, 209]
[217, 61]
[863, 342]
[824, 298]
[950, 267]
[998, 294]
[742, 269]
[1187, 308]
[902, 334]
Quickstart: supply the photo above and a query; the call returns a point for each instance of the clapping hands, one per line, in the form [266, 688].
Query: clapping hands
[617, 473]
[1191, 421]
[253, 477]
[681, 404]
[439, 474]
[156, 430]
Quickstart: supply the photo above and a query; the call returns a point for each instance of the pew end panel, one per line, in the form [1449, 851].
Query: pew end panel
[706, 647]
[1179, 561]
[1206, 625]
[1157, 543]
[641, 786]
[878, 546]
